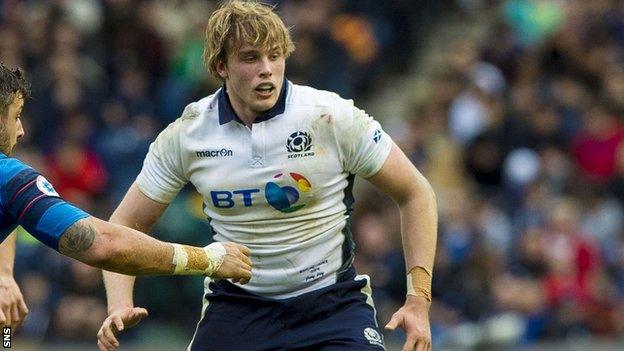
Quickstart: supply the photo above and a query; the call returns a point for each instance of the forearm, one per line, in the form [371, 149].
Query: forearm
[116, 248]
[138, 253]
[7, 254]
[417, 203]
[419, 227]
[119, 287]
[119, 290]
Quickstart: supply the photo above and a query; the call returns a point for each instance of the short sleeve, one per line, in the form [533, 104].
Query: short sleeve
[364, 145]
[162, 175]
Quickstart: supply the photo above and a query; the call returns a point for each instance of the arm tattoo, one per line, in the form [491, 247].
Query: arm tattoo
[77, 238]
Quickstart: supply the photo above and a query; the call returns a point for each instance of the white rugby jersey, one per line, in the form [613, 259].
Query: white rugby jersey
[282, 188]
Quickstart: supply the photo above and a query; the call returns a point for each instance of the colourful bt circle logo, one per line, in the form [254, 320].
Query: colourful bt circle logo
[284, 198]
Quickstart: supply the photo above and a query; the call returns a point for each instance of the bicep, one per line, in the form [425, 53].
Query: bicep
[398, 177]
[138, 211]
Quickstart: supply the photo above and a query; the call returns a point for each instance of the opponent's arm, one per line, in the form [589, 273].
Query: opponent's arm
[121, 249]
[417, 204]
[13, 309]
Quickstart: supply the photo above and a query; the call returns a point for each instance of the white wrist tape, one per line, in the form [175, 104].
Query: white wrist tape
[192, 261]
[216, 252]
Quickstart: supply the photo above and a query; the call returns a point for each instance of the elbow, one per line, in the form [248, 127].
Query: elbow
[106, 252]
[420, 192]
[426, 195]
[427, 192]
[95, 243]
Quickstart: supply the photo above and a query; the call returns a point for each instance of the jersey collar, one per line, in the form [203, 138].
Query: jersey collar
[227, 114]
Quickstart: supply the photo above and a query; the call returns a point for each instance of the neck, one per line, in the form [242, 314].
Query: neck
[244, 113]
[248, 118]
[234, 107]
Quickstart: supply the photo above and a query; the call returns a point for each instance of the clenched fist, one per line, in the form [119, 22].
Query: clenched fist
[236, 264]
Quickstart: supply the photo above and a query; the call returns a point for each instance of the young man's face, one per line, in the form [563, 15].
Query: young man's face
[11, 125]
[254, 78]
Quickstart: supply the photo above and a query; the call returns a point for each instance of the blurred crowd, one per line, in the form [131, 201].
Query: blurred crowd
[521, 134]
[107, 76]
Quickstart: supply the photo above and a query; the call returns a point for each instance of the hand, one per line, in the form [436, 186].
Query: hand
[117, 321]
[413, 317]
[236, 264]
[13, 309]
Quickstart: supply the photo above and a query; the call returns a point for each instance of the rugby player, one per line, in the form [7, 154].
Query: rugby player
[29, 200]
[275, 164]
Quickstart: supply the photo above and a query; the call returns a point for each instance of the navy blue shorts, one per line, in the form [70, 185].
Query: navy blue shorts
[337, 317]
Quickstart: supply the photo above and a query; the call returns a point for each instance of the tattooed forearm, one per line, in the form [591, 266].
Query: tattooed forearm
[77, 238]
[116, 248]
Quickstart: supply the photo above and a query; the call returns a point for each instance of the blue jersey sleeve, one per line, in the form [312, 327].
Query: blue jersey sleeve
[31, 201]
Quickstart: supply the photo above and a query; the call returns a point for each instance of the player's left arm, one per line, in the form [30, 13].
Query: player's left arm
[13, 310]
[417, 204]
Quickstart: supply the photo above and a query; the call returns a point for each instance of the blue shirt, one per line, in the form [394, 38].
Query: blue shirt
[29, 200]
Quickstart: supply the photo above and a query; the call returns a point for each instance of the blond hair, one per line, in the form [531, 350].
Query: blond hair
[236, 23]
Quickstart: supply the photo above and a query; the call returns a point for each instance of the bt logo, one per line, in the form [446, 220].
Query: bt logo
[224, 198]
[284, 198]
[281, 198]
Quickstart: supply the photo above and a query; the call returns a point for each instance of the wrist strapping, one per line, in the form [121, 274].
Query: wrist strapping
[190, 260]
[419, 282]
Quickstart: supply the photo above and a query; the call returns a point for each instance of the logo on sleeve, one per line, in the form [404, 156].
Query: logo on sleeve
[299, 144]
[377, 135]
[45, 187]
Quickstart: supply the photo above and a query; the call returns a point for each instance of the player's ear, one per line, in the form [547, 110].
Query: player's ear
[221, 68]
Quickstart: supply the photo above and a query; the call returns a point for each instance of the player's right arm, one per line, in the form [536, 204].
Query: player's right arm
[140, 212]
[163, 174]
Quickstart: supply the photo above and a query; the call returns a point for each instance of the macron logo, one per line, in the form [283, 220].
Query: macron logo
[215, 153]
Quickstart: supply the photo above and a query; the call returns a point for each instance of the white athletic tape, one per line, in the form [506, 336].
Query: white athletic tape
[214, 256]
[410, 285]
[180, 259]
